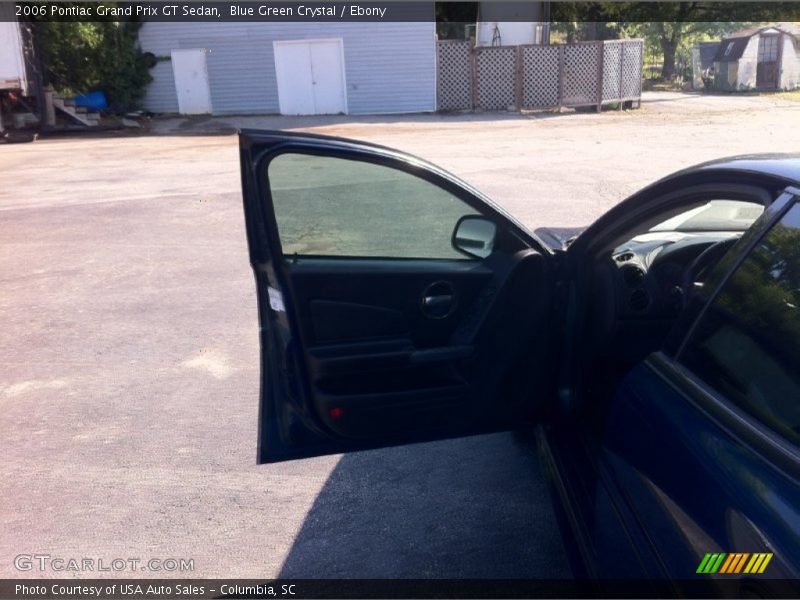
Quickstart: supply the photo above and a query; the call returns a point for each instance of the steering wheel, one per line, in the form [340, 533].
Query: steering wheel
[702, 263]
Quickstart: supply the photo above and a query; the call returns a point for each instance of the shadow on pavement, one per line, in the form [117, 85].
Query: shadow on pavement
[466, 508]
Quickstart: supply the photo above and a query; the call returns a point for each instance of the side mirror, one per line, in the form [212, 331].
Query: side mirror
[474, 236]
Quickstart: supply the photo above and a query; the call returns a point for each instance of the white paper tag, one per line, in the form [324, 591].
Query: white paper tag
[276, 300]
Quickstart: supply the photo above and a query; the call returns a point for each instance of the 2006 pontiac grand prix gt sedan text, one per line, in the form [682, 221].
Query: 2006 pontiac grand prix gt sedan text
[658, 350]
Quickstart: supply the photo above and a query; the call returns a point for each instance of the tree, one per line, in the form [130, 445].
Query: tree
[452, 16]
[678, 36]
[79, 57]
[669, 27]
[586, 21]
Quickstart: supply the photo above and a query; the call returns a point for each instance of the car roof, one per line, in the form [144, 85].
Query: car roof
[785, 167]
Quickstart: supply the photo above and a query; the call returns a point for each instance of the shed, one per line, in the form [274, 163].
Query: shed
[298, 68]
[703, 62]
[763, 58]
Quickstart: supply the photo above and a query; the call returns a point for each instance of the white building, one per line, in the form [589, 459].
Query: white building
[291, 68]
[764, 58]
[511, 24]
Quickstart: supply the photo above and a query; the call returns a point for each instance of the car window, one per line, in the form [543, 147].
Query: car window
[747, 344]
[330, 206]
[716, 215]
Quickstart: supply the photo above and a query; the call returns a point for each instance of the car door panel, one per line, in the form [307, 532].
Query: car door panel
[367, 351]
[700, 474]
[388, 367]
[701, 489]
[345, 301]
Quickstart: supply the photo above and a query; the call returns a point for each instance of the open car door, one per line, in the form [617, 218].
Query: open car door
[396, 303]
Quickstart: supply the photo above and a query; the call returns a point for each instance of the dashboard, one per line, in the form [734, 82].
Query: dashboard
[650, 271]
[639, 289]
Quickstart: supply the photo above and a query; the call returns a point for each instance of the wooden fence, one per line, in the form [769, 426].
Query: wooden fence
[538, 77]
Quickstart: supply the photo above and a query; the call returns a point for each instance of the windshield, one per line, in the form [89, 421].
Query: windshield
[716, 215]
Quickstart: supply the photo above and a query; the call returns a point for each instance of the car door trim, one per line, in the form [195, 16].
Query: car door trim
[730, 418]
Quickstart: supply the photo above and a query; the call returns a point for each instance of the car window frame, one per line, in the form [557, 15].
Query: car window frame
[507, 225]
[740, 423]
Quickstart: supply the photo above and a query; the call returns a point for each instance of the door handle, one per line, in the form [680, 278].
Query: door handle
[438, 300]
[435, 303]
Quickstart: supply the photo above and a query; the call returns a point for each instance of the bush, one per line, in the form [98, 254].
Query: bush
[82, 57]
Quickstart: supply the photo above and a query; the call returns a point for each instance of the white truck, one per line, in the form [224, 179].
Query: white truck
[13, 82]
[12, 60]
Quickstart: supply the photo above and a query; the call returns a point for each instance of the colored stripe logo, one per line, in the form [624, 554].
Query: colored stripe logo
[733, 563]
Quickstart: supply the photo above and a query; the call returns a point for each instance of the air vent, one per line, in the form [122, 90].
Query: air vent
[633, 276]
[624, 257]
[639, 300]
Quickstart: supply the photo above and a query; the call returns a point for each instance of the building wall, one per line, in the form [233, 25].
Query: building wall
[389, 67]
[748, 63]
[511, 34]
[790, 64]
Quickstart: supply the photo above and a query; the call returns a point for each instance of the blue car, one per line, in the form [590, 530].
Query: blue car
[656, 353]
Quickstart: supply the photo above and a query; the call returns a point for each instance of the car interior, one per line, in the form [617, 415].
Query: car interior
[640, 286]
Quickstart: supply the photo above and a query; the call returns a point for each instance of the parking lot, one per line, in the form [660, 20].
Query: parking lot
[129, 348]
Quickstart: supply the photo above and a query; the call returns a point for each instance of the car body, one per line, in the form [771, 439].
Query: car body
[397, 304]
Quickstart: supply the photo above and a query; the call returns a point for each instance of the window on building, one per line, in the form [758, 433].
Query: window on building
[729, 48]
[768, 48]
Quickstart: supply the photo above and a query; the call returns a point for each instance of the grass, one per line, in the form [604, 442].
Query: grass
[793, 95]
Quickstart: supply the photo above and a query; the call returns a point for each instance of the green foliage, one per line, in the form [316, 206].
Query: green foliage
[669, 29]
[82, 57]
[451, 17]
[669, 40]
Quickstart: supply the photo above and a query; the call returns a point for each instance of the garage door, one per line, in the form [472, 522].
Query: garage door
[310, 77]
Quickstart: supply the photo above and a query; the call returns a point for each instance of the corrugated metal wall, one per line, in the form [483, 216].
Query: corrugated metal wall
[389, 67]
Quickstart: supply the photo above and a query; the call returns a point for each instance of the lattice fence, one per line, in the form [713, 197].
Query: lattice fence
[454, 80]
[632, 56]
[580, 75]
[612, 68]
[540, 67]
[531, 77]
[496, 70]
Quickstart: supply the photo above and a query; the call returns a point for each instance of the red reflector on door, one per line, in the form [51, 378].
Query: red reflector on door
[336, 413]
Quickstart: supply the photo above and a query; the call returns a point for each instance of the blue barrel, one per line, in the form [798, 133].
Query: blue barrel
[95, 101]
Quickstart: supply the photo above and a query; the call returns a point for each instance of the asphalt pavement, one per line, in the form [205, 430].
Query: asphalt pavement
[129, 349]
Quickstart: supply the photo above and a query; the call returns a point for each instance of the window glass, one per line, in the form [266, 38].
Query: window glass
[715, 215]
[327, 206]
[768, 48]
[747, 344]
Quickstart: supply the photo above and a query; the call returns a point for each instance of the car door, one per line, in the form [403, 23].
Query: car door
[396, 303]
[702, 443]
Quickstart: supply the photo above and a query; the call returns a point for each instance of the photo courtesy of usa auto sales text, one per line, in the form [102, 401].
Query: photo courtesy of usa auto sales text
[139, 590]
[123, 589]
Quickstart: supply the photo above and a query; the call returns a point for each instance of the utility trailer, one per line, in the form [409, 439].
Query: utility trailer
[17, 121]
